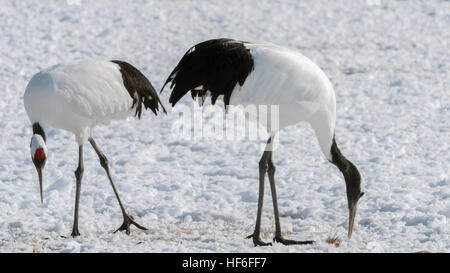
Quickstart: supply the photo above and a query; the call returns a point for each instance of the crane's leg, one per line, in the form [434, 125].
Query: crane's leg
[78, 175]
[278, 238]
[127, 219]
[262, 172]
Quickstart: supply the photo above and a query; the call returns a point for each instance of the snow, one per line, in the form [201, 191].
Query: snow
[389, 64]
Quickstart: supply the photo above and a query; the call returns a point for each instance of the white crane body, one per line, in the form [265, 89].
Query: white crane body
[300, 89]
[77, 97]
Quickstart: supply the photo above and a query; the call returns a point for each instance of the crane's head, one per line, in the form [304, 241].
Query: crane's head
[355, 190]
[353, 182]
[39, 157]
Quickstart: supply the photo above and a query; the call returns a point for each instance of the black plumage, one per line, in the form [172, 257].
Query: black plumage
[214, 66]
[37, 130]
[139, 88]
[349, 170]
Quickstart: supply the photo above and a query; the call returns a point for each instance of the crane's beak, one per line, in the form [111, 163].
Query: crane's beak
[351, 219]
[39, 170]
[352, 206]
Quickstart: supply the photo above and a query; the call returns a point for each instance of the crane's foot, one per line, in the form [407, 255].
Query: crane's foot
[75, 232]
[257, 241]
[280, 239]
[127, 221]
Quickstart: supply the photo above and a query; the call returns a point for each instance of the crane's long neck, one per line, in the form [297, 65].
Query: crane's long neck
[323, 123]
[338, 159]
[38, 130]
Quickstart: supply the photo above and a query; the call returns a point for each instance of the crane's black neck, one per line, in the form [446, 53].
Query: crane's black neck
[338, 159]
[350, 172]
[37, 130]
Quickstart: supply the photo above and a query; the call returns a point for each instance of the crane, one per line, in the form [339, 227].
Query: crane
[76, 97]
[245, 73]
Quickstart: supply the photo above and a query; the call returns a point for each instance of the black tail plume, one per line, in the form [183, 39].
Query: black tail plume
[140, 89]
[215, 66]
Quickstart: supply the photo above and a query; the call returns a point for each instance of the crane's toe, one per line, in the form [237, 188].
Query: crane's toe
[280, 239]
[257, 241]
[127, 221]
[75, 232]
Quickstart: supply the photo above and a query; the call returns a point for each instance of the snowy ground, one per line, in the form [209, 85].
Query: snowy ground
[388, 60]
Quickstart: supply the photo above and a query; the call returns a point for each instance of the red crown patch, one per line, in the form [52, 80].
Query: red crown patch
[40, 154]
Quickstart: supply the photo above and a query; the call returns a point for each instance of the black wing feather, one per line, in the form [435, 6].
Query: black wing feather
[140, 89]
[217, 65]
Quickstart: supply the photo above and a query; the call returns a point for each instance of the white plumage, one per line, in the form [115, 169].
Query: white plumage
[300, 89]
[76, 97]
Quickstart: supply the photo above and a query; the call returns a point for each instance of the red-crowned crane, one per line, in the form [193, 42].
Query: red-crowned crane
[245, 73]
[76, 97]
